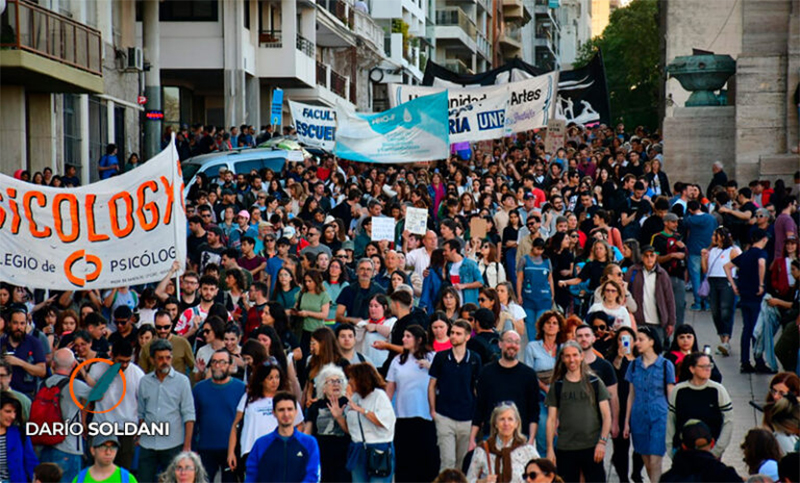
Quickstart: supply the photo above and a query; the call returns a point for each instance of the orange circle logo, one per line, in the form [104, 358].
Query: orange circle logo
[72, 381]
[74, 258]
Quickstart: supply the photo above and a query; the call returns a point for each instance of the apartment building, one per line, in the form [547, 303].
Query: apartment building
[463, 32]
[575, 20]
[543, 34]
[69, 82]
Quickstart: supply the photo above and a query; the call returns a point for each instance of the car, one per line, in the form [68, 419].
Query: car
[238, 161]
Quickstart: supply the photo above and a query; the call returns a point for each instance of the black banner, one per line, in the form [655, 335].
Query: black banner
[582, 93]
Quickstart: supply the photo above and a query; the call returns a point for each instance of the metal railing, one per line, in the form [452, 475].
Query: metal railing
[322, 74]
[306, 46]
[366, 28]
[271, 39]
[450, 16]
[339, 9]
[335, 82]
[338, 84]
[29, 27]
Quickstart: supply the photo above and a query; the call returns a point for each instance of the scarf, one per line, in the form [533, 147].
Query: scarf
[502, 459]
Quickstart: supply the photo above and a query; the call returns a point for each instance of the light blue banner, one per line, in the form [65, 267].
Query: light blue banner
[413, 131]
[276, 118]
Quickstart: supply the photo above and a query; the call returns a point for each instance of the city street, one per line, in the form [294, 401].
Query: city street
[743, 388]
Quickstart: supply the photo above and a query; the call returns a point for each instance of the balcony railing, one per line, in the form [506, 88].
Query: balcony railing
[339, 9]
[335, 82]
[366, 28]
[457, 65]
[29, 27]
[513, 32]
[270, 39]
[454, 16]
[306, 46]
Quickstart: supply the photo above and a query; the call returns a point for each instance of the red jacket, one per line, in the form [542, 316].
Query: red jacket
[665, 299]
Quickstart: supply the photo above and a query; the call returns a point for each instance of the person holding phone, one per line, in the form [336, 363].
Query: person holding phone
[621, 355]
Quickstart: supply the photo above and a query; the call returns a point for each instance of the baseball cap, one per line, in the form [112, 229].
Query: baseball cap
[226, 191]
[348, 245]
[244, 214]
[529, 195]
[670, 217]
[647, 248]
[101, 439]
[696, 434]
[289, 232]
[790, 237]
[216, 230]
[263, 223]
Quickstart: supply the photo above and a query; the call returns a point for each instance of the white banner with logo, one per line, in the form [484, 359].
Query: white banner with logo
[488, 112]
[316, 125]
[126, 230]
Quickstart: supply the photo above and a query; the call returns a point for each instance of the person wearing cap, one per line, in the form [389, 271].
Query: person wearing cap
[750, 287]
[242, 230]
[671, 253]
[695, 461]
[651, 288]
[104, 450]
[126, 328]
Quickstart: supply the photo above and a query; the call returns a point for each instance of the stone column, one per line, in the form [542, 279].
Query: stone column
[12, 129]
[233, 61]
[42, 132]
[151, 31]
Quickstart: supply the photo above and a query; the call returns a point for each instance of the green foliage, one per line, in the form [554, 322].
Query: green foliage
[630, 46]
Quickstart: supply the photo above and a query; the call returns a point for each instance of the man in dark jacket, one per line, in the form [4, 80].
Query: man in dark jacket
[284, 454]
[651, 288]
[719, 179]
[694, 461]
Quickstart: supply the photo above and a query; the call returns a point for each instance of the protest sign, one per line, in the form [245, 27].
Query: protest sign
[478, 228]
[125, 230]
[556, 130]
[417, 220]
[382, 228]
[315, 125]
[413, 131]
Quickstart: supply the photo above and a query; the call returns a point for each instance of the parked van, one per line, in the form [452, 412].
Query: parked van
[238, 161]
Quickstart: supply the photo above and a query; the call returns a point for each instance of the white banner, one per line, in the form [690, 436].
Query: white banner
[414, 131]
[126, 230]
[316, 125]
[488, 112]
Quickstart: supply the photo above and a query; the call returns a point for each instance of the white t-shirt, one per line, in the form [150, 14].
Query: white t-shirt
[621, 315]
[376, 402]
[377, 356]
[412, 387]
[259, 420]
[419, 259]
[127, 411]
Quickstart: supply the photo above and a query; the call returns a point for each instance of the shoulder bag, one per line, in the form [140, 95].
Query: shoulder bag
[705, 288]
[379, 461]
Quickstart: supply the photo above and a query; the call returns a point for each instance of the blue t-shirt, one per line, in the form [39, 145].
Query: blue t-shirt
[748, 282]
[29, 350]
[701, 227]
[106, 161]
[215, 409]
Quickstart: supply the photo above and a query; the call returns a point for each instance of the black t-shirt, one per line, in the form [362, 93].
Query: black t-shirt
[130, 338]
[666, 244]
[605, 371]
[593, 272]
[498, 384]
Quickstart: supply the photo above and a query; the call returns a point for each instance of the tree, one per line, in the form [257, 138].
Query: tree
[630, 46]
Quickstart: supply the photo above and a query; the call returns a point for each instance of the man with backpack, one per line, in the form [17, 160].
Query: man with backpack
[104, 450]
[486, 339]
[578, 405]
[53, 404]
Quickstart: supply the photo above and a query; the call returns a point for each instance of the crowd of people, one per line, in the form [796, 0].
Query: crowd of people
[535, 326]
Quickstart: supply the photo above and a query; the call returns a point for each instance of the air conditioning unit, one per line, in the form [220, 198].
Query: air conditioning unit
[135, 59]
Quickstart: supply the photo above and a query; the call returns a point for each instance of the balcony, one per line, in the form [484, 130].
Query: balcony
[513, 9]
[48, 52]
[511, 41]
[454, 29]
[484, 46]
[458, 66]
[335, 22]
[290, 64]
[366, 29]
[404, 54]
[330, 88]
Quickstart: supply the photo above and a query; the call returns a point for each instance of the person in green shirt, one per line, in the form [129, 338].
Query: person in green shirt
[104, 450]
[313, 305]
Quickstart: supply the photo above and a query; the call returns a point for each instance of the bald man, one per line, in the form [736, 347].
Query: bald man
[420, 258]
[67, 454]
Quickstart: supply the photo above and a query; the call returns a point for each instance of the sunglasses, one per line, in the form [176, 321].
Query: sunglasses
[206, 331]
[482, 299]
[530, 476]
[163, 327]
[120, 322]
[600, 327]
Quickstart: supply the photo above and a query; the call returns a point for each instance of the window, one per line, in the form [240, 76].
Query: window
[189, 11]
[72, 131]
[98, 132]
[171, 101]
[247, 14]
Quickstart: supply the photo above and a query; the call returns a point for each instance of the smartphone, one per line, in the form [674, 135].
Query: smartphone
[626, 343]
[707, 350]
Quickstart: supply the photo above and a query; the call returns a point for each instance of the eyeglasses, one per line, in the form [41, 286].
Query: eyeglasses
[706, 366]
[120, 322]
[206, 215]
[262, 197]
[530, 476]
[185, 469]
[163, 327]
[219, 362]
[107, 447]
[334, 381]
[574, 236]
[610, 290]
[206, 331]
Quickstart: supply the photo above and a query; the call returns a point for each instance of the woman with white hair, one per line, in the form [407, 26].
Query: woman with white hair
[185, 468]
[506, 452]
[325, 421]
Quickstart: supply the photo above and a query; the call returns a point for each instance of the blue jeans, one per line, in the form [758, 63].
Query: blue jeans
[750, 311]
[534, 310]
[541, 430]
[70, 464]
[695, 276]
[152, 462]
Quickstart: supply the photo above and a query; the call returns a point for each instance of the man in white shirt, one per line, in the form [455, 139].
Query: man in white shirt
[419, 259]
[127, 411]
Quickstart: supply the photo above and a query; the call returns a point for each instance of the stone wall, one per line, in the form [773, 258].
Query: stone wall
[696, 137]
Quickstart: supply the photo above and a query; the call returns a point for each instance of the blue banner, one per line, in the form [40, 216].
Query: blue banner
[277, 107]
[414, 131]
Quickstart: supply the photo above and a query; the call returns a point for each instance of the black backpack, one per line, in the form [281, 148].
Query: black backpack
[491, 346]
